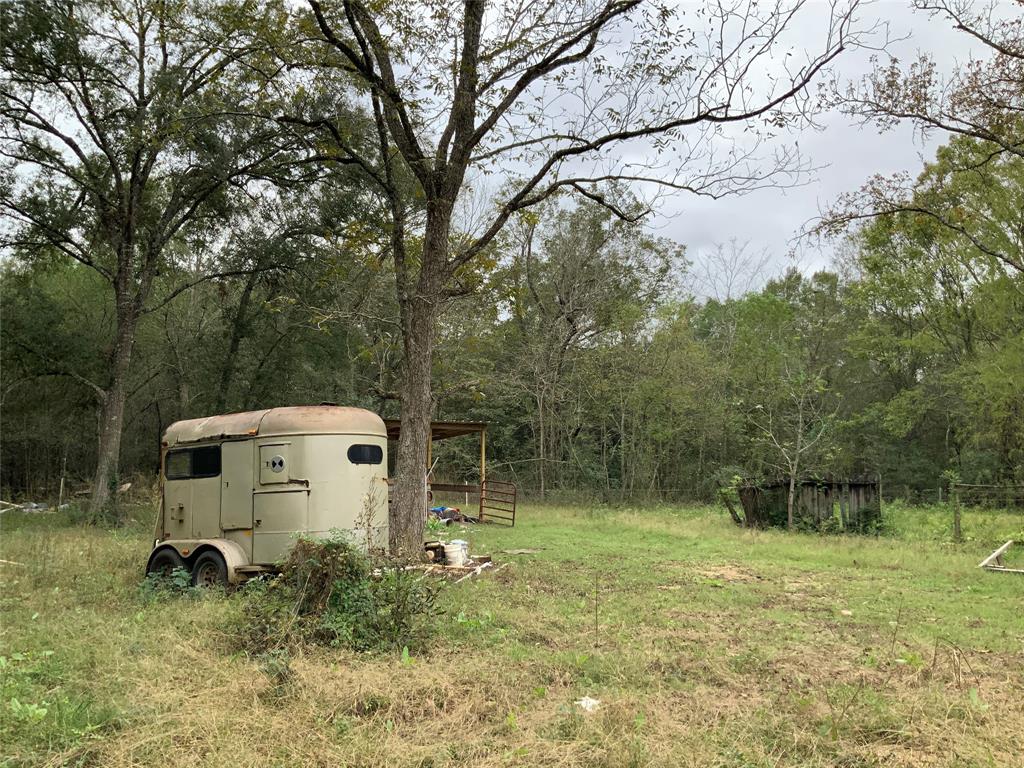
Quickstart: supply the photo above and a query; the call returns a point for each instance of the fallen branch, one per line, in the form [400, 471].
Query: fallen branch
[475, 572]
[994, 562]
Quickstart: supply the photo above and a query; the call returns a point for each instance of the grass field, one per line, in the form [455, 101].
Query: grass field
[705, 645]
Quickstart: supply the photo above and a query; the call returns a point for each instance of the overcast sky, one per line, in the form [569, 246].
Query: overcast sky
[847, 152]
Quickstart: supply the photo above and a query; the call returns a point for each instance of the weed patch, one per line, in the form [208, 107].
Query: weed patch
[704, 643]
[328, 593]
[162, 586]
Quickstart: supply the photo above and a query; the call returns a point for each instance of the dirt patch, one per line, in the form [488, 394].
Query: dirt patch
[801, 586]
[690, 571]
[729, 572]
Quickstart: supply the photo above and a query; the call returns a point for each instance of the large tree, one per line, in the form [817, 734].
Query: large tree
[128, 129]
[524, 99]
[979, 105]
[981, 98]
[789, 345]
[576, 277]
[944, 308]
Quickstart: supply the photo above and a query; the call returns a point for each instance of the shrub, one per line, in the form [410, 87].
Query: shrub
[329, 593]
[160, 586]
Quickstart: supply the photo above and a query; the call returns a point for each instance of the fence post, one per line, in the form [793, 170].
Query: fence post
[957, 534]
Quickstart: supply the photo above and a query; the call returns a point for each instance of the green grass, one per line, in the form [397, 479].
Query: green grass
[706, 645]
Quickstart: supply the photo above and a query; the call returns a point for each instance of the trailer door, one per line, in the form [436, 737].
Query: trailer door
[192, 492]
[205, 474]
[177, 495]
[236, 486]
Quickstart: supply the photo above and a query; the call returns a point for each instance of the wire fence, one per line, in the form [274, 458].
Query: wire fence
[582, 495]
[1004, 496]
[917, 497]
[1008, 496]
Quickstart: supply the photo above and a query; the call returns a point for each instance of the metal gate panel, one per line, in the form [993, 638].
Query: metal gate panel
[498, 502]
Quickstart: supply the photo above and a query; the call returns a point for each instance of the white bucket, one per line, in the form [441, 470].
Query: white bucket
[455, 553]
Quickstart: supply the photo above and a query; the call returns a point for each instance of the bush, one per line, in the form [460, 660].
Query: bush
[161, 586]
[329, 593]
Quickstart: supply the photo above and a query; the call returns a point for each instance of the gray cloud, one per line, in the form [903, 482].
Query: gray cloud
[846, 154]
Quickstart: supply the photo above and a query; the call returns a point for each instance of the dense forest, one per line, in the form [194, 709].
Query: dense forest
[583, 346]
[609, 361]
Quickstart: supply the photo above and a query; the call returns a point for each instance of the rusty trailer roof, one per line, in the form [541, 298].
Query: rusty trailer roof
[270, 422]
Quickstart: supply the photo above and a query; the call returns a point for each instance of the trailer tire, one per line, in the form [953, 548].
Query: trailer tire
[164, 562]
[209, 570]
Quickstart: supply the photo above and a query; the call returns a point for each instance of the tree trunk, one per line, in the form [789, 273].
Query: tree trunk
[724, 496]
[622, 451]
[542, 457]
[238, 324]
[794, 465]
[604, 460]
[789, 500]
[408, 512]
[409, 502]
[104, 486]
[157, 462]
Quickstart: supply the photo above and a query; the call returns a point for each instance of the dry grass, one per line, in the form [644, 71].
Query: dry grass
[709, 647]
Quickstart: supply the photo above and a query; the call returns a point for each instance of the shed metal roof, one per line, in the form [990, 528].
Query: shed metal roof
[440, 430]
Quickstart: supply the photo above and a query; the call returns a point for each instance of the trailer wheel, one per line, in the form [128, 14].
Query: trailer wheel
[209, 570]
[165, 562]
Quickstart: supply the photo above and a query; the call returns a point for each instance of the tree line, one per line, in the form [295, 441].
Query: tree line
[215, 206]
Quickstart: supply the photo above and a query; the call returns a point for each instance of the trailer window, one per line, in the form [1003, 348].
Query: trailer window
[177, 465]
[365, 454]
[192, 462]
[206, 461]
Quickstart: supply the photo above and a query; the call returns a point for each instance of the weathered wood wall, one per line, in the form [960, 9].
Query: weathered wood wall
[853, 505]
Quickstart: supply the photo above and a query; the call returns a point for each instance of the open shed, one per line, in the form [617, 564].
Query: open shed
[496, 499]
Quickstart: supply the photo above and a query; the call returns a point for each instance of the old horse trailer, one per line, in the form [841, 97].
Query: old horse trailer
[237, 489]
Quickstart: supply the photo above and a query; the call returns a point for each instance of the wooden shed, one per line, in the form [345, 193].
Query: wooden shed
[849, 504]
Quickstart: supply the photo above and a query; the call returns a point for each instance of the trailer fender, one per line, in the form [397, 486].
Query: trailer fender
[232, 552]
